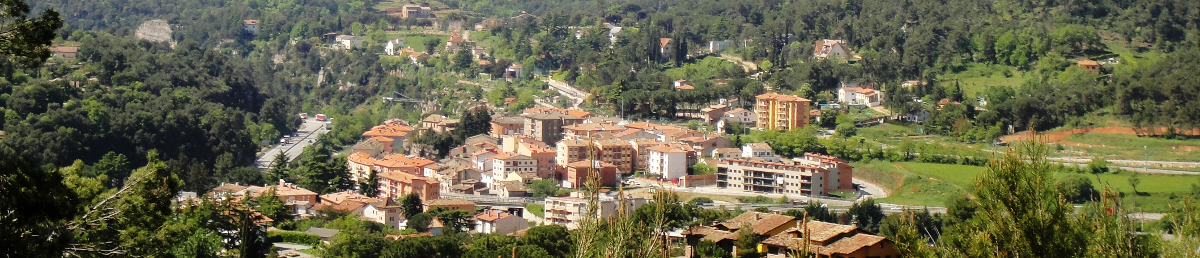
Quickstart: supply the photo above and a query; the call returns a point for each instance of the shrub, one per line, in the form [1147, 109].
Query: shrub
[294, 237]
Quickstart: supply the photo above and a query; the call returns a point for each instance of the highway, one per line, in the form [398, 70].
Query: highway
[309, 131]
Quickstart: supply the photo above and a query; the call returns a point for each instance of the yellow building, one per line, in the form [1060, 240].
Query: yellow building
[781, 112]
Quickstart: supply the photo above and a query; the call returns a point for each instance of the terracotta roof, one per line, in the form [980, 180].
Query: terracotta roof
[666, 149]
[594, 127]
[507, 120]
[229, 188]
[713, 108]
[491, 215]
[361, 158]
[759, 146]
[823, 231]
[400, 160]
[851, 244]
[404, 177]
[388, 130]
[448, 202]
[726, 150]
[519, 233]
[781, 97]
[585, 163]
[250, 22]
[761, 223]
[664, 41]
[737, 110]
[650, 126]
[340, 197]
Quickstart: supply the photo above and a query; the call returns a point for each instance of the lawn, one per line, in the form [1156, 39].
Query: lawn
[417, 41]
[977, 77]
[926, 184]
[536, 209]
[707, 68]
[886, 131]
[1125, 146]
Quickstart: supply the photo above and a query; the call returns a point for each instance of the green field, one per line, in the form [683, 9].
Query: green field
[707, 68]
[536, 209]
[925, 184]
[977, 77]
[417, 41]
[1124, 146]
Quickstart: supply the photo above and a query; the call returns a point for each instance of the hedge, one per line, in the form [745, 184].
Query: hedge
[293, 237]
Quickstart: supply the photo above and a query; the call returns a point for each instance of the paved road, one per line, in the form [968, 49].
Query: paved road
[870, 190]
[310, 130]
[288, 248]
[568, 91]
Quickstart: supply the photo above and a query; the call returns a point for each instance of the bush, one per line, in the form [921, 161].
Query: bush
[293, 237]
[757, 200]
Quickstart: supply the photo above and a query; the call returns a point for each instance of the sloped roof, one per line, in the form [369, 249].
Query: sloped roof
[781, 97]
[492, 215]
[449, 202]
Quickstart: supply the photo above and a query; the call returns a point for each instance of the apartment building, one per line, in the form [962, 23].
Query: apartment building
[507, 163]
[567, 211]
[572, 150]
[398, 184]
[617, 152]
[779, 112]
[758, 176]
[841, 174]
[546, 125]
[667, 161]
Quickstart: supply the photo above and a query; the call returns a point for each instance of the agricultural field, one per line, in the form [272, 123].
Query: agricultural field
[925, 184]
[977, 77]
[417, 41]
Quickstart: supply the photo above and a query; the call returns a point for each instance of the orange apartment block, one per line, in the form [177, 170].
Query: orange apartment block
[577, 174]
[398, 184]
[616, 152]
[779, 112]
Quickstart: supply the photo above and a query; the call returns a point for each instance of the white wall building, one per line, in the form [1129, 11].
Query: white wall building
[667, 161]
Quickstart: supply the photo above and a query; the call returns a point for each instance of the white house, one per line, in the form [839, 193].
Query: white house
[718, 45]
[500, 222]
[851, 94]
[827, 48]
[393, 47]
[386, 212]
[349, 41]
[667, 161]
[612, 34]
[759, 150]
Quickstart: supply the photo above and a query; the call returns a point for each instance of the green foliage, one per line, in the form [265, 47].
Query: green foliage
[702, 169]
[820, 212]
[1077, 189]
[27, 38]
[271, 206]
[544, 188]
[866, 215]
[411, 205]
[846, 130]
[1097, 165]
[708, 249]
[294, 237]
[756, 199]
[40, 206]
[792, 143]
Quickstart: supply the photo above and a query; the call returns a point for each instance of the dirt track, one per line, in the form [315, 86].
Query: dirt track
[1058, 136]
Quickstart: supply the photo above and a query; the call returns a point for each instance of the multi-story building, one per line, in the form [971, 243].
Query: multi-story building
[567, 211]
[641, 153]
[590, 129]
[507, 125]
[398, 184]
[547, 126]
[841, 174]
[616, 152]
[667, 161]
[778, 112]
[507, 163]
[770, 177]
[575, 175]
[572, 150]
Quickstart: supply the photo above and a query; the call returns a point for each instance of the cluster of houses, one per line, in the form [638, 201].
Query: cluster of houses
[785, 235]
